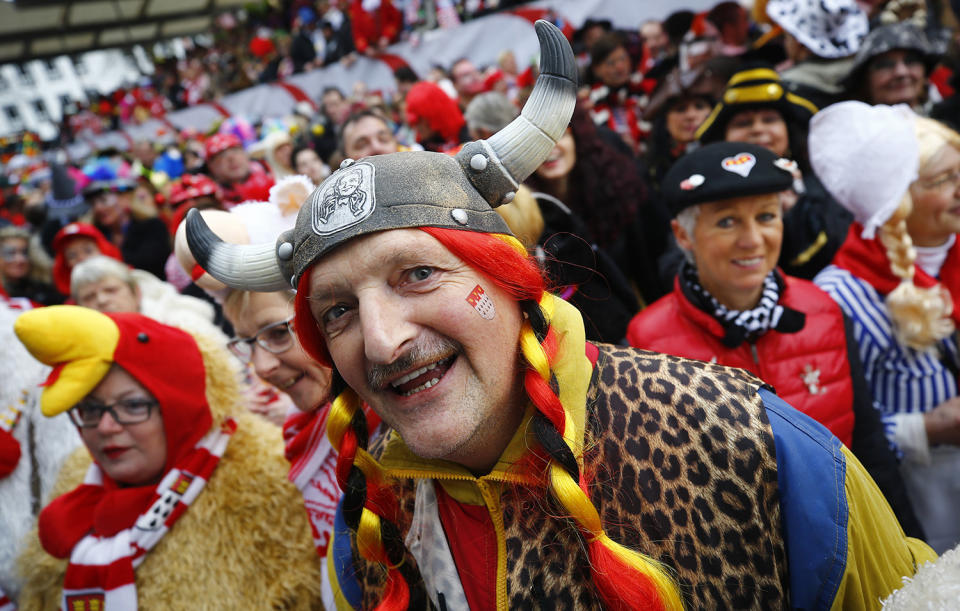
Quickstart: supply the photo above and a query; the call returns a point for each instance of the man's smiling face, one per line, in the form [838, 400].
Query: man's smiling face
[393, 308]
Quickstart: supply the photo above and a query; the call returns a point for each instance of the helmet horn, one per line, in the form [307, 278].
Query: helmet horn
[497, 165]
[248, 267]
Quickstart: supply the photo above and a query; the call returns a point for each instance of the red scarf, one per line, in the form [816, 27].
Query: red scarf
[313, 463]
[107, 531]
[867, 260]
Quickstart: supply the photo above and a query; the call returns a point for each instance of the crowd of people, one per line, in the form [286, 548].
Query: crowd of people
[666, 321]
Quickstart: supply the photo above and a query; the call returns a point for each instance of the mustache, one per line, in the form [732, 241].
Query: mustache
[421, 353]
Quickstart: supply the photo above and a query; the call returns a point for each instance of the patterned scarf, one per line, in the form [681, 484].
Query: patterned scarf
[744, 325]
[101, 569]
[313, 463]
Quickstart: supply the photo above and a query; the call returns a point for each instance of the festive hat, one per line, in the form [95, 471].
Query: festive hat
[829, 29]
[63, 201]
[866, 156]
[752, 89]
[887, 38]
[218, 143]
[724, 170]
[82, 344]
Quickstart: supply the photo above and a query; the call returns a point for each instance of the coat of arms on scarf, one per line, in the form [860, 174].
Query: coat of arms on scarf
[344, 200]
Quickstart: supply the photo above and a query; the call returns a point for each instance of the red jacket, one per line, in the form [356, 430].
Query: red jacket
[809, 369]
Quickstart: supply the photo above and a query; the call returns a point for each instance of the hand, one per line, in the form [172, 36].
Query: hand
[268, 402]
[943, 423]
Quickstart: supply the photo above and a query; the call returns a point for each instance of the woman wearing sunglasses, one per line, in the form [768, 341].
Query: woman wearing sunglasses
[181, 497]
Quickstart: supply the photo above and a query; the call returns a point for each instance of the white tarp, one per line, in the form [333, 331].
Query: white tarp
[480, 40]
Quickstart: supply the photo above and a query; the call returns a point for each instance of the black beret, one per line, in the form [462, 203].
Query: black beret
[724, 170]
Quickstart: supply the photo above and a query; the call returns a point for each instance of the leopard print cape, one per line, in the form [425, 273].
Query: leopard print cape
[683, 468]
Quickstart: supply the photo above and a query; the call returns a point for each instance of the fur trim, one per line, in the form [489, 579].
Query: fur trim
[935, 586]
[245, 542]
[56, 438]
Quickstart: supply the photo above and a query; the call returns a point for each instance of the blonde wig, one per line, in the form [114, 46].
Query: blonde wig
[921, 316]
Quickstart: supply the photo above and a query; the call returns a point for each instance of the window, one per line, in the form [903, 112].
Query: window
[40, 109]
[12, 113]
[25, 77]
[53, 72]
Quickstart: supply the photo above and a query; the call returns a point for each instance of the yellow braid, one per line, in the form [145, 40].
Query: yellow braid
[342, 410]
[573, 498]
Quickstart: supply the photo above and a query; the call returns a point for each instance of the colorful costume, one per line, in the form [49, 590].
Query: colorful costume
[666, 478]
[904, 382]
[682, 456]
[814, 368]
[227, 531]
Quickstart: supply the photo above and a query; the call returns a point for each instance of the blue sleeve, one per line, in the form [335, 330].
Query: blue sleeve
[342, 554]
[811, 471]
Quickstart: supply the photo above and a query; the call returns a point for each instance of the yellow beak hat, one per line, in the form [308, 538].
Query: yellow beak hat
[82, 344]
[79, 343]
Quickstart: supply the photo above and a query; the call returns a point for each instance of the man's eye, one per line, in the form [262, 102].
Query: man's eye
[725, 222]
[334, 313]
[420, 273]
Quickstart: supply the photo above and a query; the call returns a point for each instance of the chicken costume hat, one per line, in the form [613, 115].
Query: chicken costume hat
[82, 344]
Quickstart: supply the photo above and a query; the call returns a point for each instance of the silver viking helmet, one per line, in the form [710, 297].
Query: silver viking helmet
[409, 189]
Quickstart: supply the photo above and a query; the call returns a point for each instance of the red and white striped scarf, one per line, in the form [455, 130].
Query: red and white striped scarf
[100, 574]
[313, 463]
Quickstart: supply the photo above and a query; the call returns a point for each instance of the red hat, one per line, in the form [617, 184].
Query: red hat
[218, 143]
[192, 186]
[61, 271]
[82, 344]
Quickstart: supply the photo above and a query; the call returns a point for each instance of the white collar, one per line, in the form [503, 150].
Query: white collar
[931, 258]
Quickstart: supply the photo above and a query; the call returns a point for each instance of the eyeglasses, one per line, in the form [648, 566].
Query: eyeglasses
[275, 338]
[950, 177]
[11, 252]
[87, 414]
[888, 63]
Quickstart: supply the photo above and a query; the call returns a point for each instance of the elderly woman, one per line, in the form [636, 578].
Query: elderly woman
[892, 67]
[730, 305]
[756, 107]
[897, 277]
[180, 498]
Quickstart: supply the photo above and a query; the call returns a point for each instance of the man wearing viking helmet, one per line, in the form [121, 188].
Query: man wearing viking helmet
[527, 467]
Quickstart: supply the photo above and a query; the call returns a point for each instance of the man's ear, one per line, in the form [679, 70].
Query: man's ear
[684, 240]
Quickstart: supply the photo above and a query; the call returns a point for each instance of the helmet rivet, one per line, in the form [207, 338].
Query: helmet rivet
[459, 216]
[346, 163]
[142, 337]
[285, 251]
[478, 162]
[508, 196]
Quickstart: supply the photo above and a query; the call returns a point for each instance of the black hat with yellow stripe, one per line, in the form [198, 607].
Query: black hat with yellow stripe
[754, 89]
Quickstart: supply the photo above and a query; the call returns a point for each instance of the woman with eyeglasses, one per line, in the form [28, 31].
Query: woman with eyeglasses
[893, 66]
[181, 497]
[19, 277]
[897, 276]
[264, 339]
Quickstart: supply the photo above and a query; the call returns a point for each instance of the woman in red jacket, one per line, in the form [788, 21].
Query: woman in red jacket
[730, 305]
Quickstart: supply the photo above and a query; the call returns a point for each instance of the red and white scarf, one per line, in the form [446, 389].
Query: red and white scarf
[100, 574]
[867, 259]
[313, 463]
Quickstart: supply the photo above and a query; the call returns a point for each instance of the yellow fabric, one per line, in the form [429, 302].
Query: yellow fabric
[84, 339]
[876, 561]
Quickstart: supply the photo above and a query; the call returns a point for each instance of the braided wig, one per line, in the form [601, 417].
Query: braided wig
[921, 315]
[625, 579]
